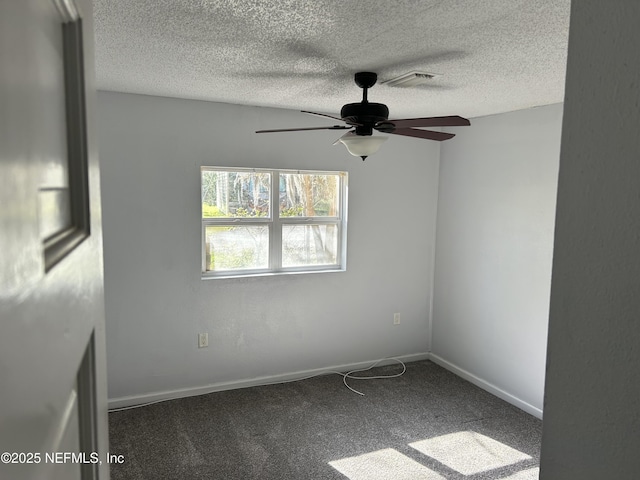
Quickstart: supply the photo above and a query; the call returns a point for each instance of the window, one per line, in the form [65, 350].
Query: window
[259, 221]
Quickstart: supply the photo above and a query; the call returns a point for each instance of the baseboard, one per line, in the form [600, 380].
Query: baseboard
[147, 398]
[489, 387]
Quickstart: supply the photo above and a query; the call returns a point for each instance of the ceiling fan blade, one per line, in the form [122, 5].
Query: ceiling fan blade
[450, 121]
[334, 127]
[329, 116]
[321, 115]
[428, 134]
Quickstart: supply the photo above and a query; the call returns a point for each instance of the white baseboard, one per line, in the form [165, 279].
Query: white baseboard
[489, 387]
[147, 398]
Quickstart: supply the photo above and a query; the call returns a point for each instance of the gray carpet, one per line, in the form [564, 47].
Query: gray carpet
[427, 424]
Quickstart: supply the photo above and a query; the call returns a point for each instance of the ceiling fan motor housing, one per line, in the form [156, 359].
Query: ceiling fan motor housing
[364, 116]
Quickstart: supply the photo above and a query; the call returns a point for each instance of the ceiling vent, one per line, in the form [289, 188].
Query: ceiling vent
[411, 79]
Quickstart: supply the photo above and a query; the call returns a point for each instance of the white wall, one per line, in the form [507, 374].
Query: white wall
[494, 249]
[151, 149]
[592, 397]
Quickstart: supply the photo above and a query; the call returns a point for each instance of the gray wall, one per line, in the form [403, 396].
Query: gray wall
[151, 149]
[494, 249]
[592, 396]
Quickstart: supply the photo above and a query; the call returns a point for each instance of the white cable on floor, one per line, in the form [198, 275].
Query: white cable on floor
[343, 375]
[349, 374]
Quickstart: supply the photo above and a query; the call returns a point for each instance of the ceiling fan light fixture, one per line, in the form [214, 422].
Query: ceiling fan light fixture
[362, 145]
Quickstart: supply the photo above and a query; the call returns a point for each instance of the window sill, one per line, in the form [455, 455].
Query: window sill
[220, 276]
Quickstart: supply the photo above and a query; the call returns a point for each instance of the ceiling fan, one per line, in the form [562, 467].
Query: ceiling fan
[364, 117]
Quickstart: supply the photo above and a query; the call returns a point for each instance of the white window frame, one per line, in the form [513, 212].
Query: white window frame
[275, 224]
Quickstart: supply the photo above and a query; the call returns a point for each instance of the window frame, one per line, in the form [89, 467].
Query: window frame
[275, 225]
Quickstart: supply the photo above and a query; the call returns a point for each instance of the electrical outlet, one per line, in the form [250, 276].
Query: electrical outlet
[396, 319]
[203, 340]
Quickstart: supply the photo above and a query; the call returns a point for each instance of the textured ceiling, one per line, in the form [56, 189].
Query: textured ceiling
[494, 55]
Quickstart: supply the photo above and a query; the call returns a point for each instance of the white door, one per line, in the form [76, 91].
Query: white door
[52, 360]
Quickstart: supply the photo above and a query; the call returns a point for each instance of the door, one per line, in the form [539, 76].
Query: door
[53, 417]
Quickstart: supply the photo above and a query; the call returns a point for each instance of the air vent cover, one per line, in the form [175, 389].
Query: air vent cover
[411, 79]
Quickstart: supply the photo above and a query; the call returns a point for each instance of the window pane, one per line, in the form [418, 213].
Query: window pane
[309, 195]
[309, 245]
[236, 247]
[235, 194]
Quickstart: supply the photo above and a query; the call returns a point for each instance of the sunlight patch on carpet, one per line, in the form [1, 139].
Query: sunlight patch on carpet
[387, 464]
[529, 474]
[469, 452]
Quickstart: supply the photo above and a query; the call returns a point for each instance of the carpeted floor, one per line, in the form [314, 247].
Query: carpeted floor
[428, 424]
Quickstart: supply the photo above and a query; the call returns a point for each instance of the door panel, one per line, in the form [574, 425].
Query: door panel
[52, 358]
[68, 441]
